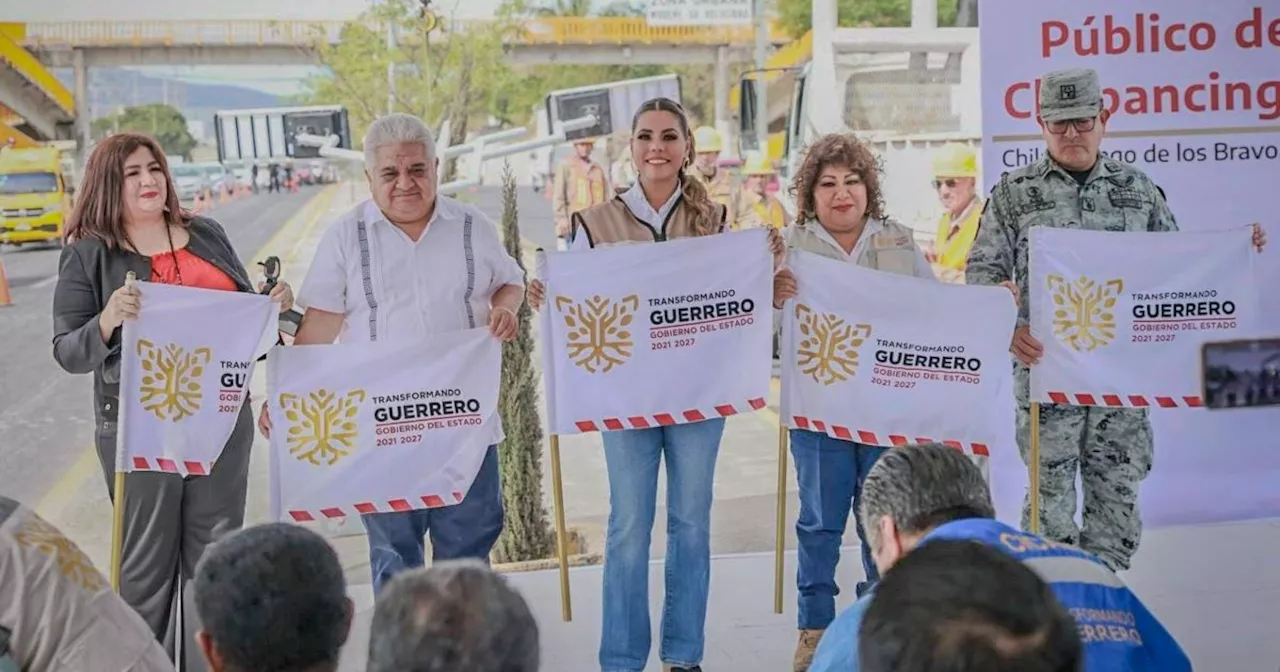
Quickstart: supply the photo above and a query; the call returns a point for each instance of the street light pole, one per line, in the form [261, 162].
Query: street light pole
[762, 116]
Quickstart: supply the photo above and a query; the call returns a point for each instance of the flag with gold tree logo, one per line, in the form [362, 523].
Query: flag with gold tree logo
[381, 426]
[885, 359]
[1122, 317]
[185, 367]
[639, 336]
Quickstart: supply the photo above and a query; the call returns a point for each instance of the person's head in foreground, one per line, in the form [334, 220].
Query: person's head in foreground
[400, 162]
[1072, 118]
[914, 489]
[838, 184]
[456, 616]
[962, 606]
[272, 598]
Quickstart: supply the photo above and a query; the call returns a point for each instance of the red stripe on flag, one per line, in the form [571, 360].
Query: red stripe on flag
[1085, 399]
[981, 449]
[366, 507]
[1112, 400]
[801, 421]
[726, 409]
[613, 424]
[167, 464]
[1166, 402]
[333, 512]
[757, 404]
[1138, 400]
[195, 468]
[1193, 402]
[664, 419]
[301, 516]
[638, 422]
[843, 433]
[897, 440]
[457, 496]
[141, 463]
[694, 415]
[1057, 397]
[585, 426]
[432, 501]
[868, 438]
[400, 505]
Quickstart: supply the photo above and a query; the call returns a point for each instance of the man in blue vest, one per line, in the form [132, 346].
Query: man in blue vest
[918, 494]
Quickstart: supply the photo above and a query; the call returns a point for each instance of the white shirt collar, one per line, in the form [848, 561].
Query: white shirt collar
[872, 227]
[639, 205]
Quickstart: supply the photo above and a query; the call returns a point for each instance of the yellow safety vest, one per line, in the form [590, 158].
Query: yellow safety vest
[586, 186]
[953, 247]
[770, 212]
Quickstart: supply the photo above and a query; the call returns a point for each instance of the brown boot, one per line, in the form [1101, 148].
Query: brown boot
[805, 647]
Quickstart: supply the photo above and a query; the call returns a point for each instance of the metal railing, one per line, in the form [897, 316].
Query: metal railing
[22, 62]
[248, 33]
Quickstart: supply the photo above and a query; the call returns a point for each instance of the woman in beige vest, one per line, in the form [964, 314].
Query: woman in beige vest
[665, 202]
[840, 215]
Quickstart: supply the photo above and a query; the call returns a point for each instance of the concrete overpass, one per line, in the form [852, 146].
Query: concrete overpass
[41, 106]
[81, 45]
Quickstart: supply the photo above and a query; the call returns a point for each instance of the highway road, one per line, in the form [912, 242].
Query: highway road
[46, 414]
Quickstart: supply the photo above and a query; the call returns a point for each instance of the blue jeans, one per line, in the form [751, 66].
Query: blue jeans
[468, 529]
[830, 474]
[632, 458]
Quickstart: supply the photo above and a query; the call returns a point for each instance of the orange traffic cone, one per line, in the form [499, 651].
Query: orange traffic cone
[5, 298]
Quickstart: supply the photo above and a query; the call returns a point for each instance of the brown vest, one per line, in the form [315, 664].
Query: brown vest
[612, 223]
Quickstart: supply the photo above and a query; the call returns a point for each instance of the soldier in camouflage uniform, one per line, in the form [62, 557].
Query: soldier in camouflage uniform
[1073, 187]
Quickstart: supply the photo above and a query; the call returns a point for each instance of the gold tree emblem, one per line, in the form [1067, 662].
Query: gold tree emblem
[171, 379]
[598, 336]
[322, 426]
[828, 348]
[1083, 316]
[72, 562]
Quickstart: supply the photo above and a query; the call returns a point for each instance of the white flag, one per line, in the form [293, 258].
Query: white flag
[885, 359]
[185, 367]
[647, 335]
[381, 426]
[1122, 316]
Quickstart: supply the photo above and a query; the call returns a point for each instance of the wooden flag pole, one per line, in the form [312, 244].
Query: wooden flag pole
[1034, 469]
[779, 561]
[562, 537]
[117, 504]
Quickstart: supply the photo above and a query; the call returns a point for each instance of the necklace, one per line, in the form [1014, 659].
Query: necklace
[177, 270]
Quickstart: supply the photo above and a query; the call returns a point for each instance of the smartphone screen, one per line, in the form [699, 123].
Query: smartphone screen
[1240, 374]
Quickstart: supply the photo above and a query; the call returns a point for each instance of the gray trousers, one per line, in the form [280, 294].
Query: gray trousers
[168, 522]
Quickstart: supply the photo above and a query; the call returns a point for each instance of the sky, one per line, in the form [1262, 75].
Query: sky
[277, 80]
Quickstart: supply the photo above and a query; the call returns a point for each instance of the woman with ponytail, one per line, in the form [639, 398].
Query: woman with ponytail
[665, 202]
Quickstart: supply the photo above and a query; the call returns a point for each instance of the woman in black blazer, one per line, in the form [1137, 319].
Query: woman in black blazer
[127, 218]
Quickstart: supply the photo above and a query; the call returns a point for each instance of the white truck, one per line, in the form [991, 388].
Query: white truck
[613, 104]
[906, 91]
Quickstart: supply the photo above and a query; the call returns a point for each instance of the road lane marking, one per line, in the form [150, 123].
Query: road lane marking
[68, 486]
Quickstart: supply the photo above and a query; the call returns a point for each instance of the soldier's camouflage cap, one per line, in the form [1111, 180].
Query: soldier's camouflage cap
[1070, 94]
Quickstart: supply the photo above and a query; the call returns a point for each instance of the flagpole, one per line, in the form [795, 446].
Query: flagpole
[1034, 469]
[117, 503]
[779, 563]
[562, 541]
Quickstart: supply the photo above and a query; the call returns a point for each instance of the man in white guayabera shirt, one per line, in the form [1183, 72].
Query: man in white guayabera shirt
[405, 264]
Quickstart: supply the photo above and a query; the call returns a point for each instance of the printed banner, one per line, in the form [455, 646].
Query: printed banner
[185, 367]
[357, 427]
[859, 367]
[1195, 104]
[640, 336]
[1122, 315]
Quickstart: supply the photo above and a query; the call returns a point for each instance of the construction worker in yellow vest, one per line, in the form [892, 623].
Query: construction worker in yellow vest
[760, 208]
[719, 182]
[955, 178]
[579, 183]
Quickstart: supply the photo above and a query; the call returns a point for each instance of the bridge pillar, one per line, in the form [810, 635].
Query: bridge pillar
[80, 73]
[724, 116]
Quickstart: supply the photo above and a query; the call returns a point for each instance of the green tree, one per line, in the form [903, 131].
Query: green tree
[162, 122]
[796, 16]
[526, 534]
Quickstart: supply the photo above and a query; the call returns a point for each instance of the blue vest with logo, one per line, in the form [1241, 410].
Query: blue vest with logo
[1118, 632]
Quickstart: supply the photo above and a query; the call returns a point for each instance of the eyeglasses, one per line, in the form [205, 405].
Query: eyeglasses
[951, 183]
[1060, 127]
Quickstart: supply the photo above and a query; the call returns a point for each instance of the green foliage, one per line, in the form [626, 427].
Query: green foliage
[796, 16]
[162, 122]
[526, 534]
